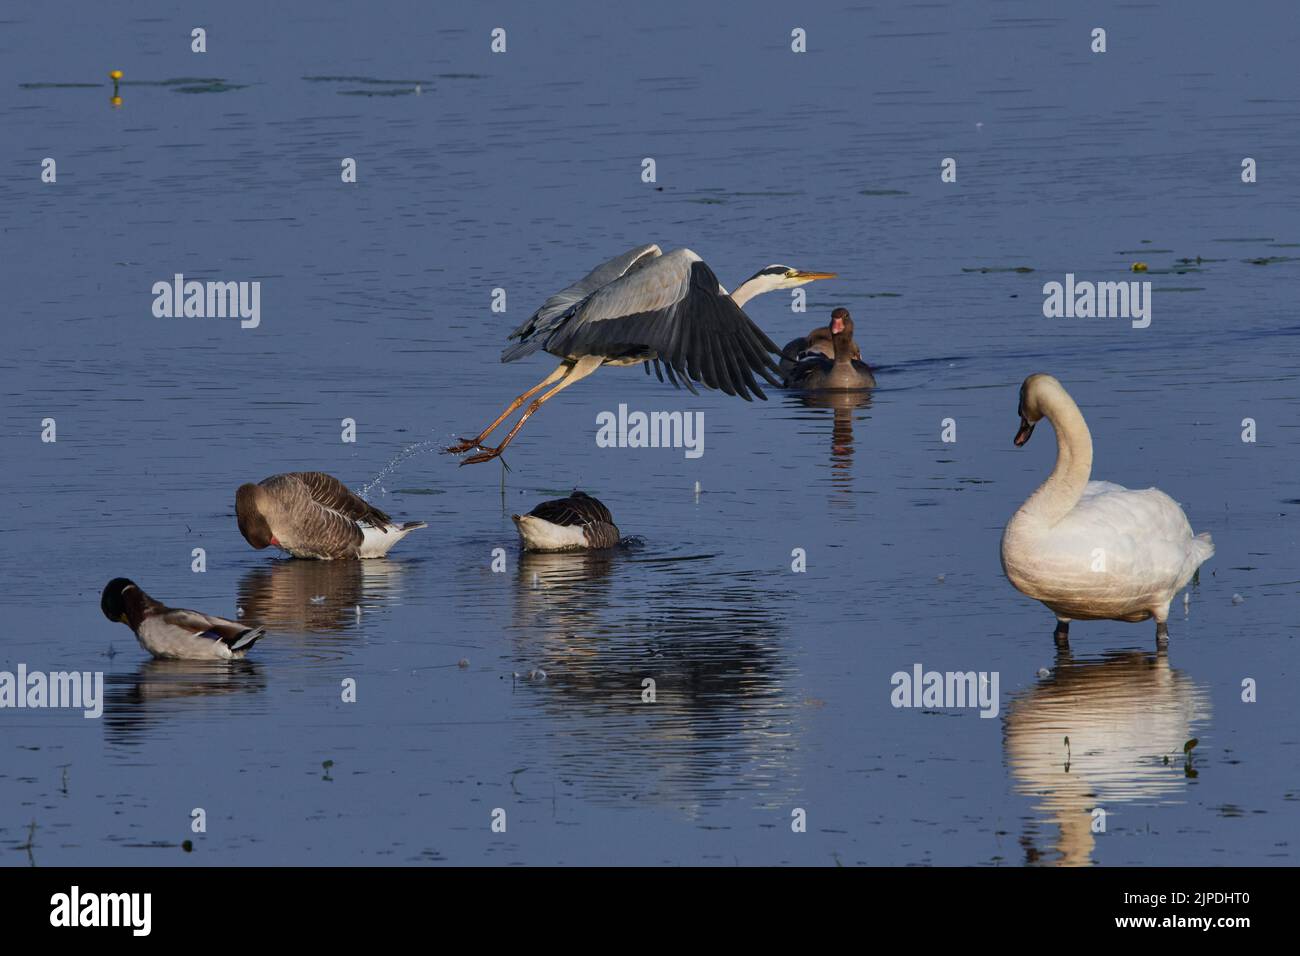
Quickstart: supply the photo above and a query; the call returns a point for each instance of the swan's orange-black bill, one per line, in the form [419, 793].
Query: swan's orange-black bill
[1023, 434]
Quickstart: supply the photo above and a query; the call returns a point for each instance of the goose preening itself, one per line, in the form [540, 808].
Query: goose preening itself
[313, 515]
[644, 307]
[576, 523]
[845, 372]
[817, 342]
[175, 633]
[1093, 550]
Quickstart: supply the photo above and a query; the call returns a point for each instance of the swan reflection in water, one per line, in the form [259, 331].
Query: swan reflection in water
[1124, 714]
[292, 596]
[843, 405]
[151, 699]
[601, 625]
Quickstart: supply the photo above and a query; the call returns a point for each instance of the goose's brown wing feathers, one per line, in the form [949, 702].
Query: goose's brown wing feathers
[328, 492]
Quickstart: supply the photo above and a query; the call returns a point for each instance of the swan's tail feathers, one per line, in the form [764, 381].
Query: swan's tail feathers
[414, 526]
[248, 639]
[1203, 547]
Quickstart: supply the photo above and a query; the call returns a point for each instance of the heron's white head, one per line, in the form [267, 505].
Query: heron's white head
[773, 277]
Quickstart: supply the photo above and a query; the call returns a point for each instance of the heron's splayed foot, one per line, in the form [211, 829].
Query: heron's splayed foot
[486, 455]
[1062, 634]
[464, 445]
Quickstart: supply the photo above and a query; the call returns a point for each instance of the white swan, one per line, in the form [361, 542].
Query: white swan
[1093, 549]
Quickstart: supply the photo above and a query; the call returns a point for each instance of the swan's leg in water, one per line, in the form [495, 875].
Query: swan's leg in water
[1161, 614]
[1062, 634]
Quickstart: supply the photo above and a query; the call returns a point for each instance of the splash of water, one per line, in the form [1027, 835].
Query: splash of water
[410, 451]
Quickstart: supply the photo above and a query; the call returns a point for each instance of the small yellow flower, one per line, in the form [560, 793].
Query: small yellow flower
[1139, 267]
[116, 101]
[115, 75]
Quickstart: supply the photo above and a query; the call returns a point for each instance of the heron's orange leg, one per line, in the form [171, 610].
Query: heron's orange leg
[465, 444]
[576, 372]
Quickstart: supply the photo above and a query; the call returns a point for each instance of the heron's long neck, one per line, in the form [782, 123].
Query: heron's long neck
[1058, 495]
[750, 288]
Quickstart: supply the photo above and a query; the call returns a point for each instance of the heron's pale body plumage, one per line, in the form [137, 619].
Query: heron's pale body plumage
[1094, 549]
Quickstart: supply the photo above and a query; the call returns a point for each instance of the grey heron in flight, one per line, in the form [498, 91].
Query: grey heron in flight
[643, 307]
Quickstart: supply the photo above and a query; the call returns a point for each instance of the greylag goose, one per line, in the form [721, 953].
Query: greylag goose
[578, 522]
[313, 515]
[842, 373]
[816, 342]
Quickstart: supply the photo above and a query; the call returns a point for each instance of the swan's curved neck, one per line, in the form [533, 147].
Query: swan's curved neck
[1058, 495]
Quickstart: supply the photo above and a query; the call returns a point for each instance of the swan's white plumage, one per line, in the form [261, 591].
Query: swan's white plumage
[1095, 549]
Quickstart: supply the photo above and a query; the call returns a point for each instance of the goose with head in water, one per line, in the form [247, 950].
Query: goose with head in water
[576, 523]
[175, 633]
[312, 515]
[844, 372]
[1094, 550]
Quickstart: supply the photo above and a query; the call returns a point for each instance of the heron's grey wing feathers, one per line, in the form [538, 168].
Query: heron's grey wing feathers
[532, 334]
[673, 307]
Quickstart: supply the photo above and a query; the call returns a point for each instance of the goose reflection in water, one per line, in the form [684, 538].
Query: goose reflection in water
[721, 720]
[317, 597]
[843, 406]
[1124, 714]
[160, 697]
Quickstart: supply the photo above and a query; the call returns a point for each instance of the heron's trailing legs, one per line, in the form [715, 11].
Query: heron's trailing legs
[568, 373]
[465, 444]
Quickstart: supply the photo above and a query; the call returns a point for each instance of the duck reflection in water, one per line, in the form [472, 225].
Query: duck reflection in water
[148, 700]
[1126, 717]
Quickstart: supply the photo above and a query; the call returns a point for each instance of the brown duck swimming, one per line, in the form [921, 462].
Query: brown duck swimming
[816, 342]
[313, 515]
[843, 373]
[175, 633]
[578, 522]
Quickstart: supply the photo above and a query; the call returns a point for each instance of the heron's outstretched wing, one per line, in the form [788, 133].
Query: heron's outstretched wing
[673, 309]
[532, 334]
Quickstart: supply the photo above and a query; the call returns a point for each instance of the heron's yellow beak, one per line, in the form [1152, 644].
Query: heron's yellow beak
[802, 276]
